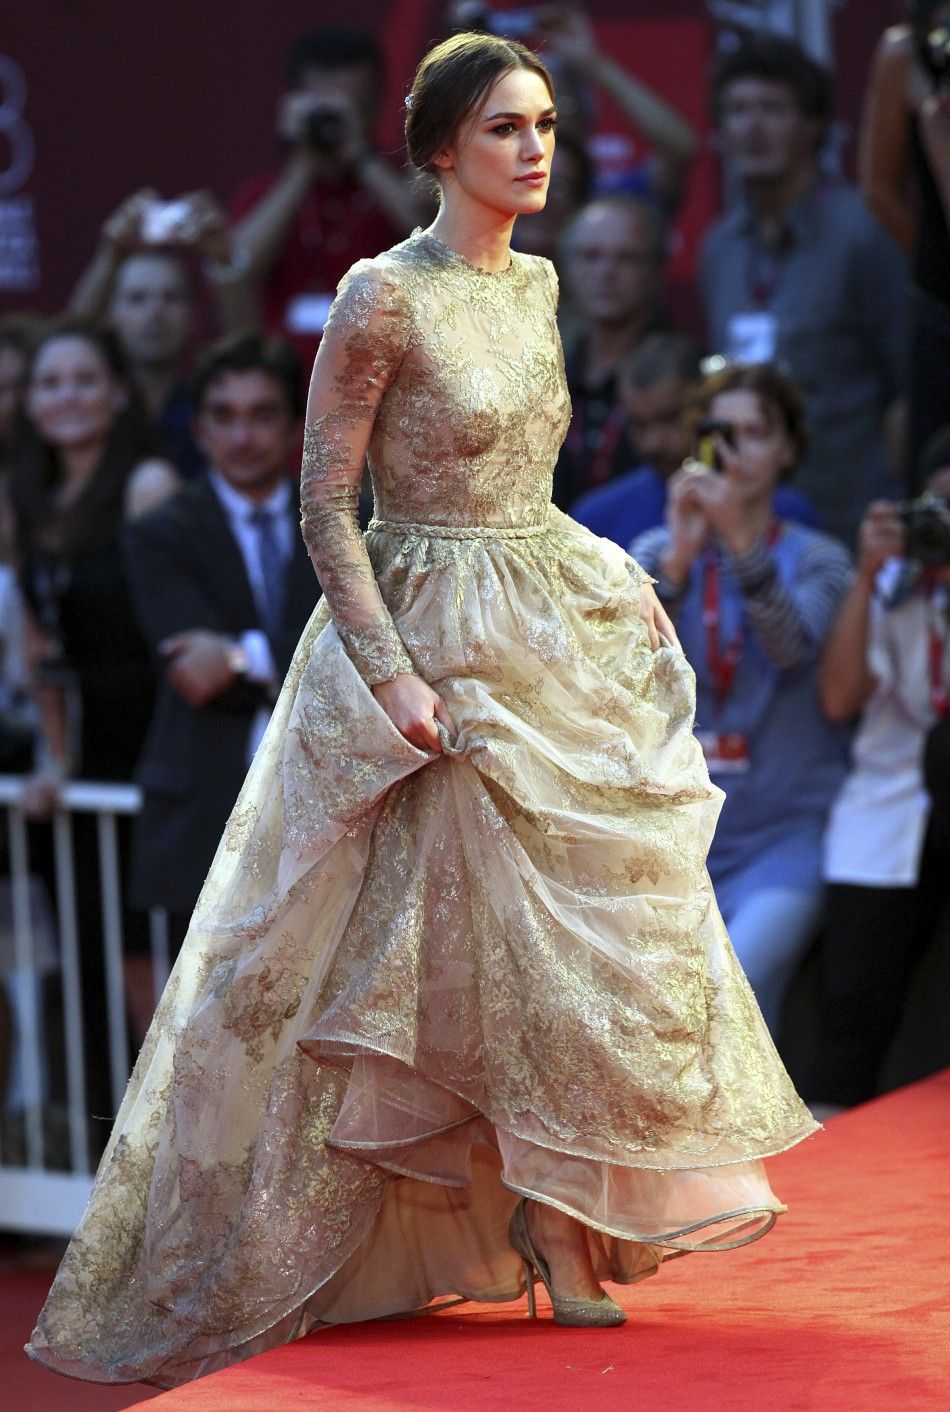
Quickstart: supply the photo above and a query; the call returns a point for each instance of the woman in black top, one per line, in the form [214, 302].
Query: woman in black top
[82, 462]
[84, 453]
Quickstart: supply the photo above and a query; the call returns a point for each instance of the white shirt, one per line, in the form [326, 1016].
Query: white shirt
[877, 824]
[239, 509]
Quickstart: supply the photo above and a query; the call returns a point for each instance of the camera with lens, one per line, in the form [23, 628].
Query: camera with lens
[927, 523]
[324, 129]
[473, 15]
[707, 433]
[933, 42]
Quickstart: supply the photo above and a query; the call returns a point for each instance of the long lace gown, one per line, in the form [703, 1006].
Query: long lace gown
[417, 985]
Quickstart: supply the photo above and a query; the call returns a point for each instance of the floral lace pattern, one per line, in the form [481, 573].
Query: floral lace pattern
[417, 984]
[454, 391]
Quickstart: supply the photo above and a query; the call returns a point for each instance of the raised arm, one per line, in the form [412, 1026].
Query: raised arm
[792, 622]
[365, 338]
[568, 31]
[884, 155]
[845, 679]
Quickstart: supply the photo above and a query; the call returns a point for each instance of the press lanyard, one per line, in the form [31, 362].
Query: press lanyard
[765, 271]
[598, 468]
[723, 662]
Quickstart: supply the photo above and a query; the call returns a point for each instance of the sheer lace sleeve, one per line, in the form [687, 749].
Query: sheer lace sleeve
[366, 335]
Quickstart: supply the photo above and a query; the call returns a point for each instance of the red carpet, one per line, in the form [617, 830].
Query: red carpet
[844, 1306]
[25, 1387]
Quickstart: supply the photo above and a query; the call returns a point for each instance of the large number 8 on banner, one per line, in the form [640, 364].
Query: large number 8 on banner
[15, 134]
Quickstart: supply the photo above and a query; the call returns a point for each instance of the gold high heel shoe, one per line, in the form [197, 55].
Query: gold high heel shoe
[568, 1308]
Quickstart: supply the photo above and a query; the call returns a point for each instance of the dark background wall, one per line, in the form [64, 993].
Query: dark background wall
[179, 95]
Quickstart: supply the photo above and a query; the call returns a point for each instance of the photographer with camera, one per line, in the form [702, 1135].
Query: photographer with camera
[654, 385]
[753, 597]
[905, 144]
[888, 838]
[337, 198]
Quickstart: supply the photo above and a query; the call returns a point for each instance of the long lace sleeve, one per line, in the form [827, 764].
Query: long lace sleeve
[366, 335]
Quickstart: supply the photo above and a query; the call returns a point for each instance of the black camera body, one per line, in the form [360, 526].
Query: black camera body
[927, 522]
[707, 433]
[324, 129]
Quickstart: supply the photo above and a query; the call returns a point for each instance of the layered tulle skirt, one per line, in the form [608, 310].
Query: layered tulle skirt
[417, 985]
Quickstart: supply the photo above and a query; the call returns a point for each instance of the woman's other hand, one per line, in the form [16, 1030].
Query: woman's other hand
[656, 618]
[413, 707]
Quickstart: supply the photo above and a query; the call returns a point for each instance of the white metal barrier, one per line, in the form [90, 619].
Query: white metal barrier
[37, 1193]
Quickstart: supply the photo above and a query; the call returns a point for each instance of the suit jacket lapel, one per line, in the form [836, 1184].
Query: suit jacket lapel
[224, 553]
[302, 589]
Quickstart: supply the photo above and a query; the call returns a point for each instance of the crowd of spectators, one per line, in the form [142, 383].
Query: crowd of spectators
[153, 581]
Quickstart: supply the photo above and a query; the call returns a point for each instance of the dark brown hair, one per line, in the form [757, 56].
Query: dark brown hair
[660, 357]
[779, 396]
[451, 82]
[249, 352]
[20, 332]
[93, 518]
[330, 49]
[778, 60]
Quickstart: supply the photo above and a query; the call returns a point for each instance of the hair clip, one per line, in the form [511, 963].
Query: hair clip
[408, 102]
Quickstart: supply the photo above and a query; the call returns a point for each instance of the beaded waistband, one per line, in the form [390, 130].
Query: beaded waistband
[406, 527]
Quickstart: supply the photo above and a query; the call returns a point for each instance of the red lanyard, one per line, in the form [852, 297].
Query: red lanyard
[763, 277]
[939, 697]
[723, 662]
[598, 467]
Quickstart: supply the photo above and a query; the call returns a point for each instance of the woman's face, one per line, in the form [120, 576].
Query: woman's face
[763, 449]
[73, 397]
[502, 159]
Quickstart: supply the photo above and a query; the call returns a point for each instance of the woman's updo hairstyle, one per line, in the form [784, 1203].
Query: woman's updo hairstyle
[451, 83]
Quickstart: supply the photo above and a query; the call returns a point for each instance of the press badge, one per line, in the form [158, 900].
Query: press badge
[726, 752]
[752, 337]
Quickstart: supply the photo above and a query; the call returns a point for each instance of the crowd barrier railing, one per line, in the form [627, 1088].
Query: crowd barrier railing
[45, 1154]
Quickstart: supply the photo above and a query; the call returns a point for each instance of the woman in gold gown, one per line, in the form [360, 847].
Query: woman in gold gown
[457, 963]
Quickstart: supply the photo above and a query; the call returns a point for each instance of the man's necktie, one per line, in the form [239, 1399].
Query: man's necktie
[272, 570]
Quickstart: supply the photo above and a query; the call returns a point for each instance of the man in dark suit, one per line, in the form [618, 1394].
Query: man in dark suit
[223, 588]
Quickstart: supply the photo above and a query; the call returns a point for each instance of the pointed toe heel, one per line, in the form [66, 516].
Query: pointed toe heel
[568, 1309]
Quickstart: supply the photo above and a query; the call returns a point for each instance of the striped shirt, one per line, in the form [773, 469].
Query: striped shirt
[790, 621]
[777, 603]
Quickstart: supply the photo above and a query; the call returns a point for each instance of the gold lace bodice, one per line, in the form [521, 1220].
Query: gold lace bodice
[450, 381]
